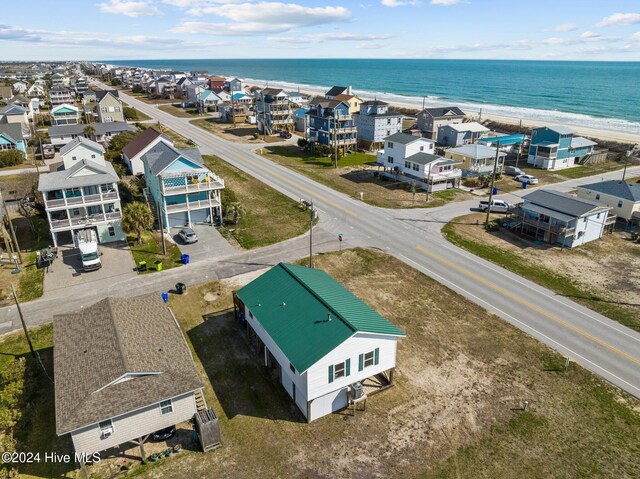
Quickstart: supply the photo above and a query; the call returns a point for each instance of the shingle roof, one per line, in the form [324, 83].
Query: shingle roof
[563, 203]
[13, 131]
[81, 141]
[336, 90]
[98, 345]
[563, 130]
[294, 304]
[580, 142]
[374, 103]
[444, 112]
[100, 128]
[58, 180]
[162, 155]
[424, 158]
[272, 91]
[12, 110]
[140, 142]
[101, 94]
[402, 138]
[472, 126]
[476, 151]
[619, 189]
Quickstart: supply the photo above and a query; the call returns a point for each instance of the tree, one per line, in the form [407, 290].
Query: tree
[130, 113]
[136, 218]
[236, 210]
[27, 197]
[302, 143]
[136, 89]
[11, 157]
[116, 82]
[89, 131]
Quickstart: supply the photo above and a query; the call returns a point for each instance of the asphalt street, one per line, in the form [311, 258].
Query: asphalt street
[597, 343]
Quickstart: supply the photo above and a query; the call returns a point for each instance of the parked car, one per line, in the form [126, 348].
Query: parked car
[164, 434]
[497, 206]
[513, 171]
[188, 235]
[285, 134]
[528, 179]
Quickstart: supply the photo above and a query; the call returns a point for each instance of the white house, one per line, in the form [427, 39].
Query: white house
[323, 342]
[19, 87]
[81, 149]
[555, 217]
[622, 197]
[399, 146]
[123, 370]
[133, 151]
[65, 114]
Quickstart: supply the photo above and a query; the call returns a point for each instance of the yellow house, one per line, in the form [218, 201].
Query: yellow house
[351, 100]
[622, 197]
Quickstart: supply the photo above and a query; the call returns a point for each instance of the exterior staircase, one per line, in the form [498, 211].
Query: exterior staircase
[201, 404]
[148, 198]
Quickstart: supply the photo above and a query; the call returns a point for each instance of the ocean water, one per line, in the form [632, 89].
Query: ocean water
[604, 95]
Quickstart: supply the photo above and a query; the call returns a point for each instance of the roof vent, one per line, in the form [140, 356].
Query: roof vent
[283, 304]
[328, 316]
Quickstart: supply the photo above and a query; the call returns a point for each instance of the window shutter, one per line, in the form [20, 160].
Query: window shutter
[376, 356]
[348, 367]
[331, 373]
[361, 362]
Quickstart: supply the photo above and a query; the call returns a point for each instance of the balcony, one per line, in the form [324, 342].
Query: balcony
[192, 205]
[343, 130]
[446, 175]
[182, 183]
[83, 221]
[81, 200]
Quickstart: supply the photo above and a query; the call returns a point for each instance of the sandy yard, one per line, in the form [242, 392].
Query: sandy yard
[242, 133]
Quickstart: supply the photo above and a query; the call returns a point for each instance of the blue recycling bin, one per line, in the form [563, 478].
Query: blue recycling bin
[184, 258]
[524, 185]
[495, 191]
[165, 297]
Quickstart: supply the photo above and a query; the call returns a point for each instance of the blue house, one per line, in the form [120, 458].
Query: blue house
[184, 190]
[555, 148]
[11, 137]
[330, 123]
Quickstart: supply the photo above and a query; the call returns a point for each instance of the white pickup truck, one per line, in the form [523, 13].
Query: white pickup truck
[87, 241]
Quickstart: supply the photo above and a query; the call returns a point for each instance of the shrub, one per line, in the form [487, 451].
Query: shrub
[11, 158]
[302, 143]
[130, 113]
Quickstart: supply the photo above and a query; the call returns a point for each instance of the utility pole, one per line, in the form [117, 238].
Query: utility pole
[335, 136]
[493, 179]
[311, 213]
[13, 232]
[164, 247]
[24, 325]
[428, 180]
[626, 160]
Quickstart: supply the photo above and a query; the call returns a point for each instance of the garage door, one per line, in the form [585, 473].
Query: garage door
[200, 216]
[176, 220]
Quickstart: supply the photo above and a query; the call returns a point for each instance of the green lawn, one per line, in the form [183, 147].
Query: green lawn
[271, 216]
[180, 112]
[140, 116]
[307, 158]
[179, 140]
[543, 276]
[151, 252]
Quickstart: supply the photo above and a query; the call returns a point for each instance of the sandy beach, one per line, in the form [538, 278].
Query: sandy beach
[601, 134]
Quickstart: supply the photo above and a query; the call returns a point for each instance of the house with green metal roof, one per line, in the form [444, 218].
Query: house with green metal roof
[326, 345]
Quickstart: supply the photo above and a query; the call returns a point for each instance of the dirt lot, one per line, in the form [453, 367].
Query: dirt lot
[603, 268]
[242, 133]
[455, 411]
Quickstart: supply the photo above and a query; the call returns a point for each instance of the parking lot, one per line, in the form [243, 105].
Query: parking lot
[210, 243]
[66, 269]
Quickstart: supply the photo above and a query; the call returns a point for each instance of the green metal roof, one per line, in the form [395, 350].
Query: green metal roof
[293, 304]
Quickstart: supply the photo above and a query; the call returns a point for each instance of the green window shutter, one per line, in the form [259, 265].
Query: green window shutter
[361, 362]
[331, 373]
[376, 356]
[348, 367]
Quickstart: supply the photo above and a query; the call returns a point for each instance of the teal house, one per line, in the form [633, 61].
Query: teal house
[11, 137]
[556, 148]
[183, 189]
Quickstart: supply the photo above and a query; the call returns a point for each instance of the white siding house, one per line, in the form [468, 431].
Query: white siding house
[322, 340]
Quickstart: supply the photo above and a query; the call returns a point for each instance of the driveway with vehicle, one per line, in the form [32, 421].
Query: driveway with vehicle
[210, 243]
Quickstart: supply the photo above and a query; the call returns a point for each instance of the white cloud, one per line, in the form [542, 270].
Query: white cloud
[446, 3]
[398, 3]
[229, 29]
[329, 37]
[590, 35]
[635, 37]
[130, 8]
[369, 46]
[618, 18]
[565, 27]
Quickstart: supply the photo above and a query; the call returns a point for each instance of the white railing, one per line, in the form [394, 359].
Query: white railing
[82, 200]
[211, 182]
[85, 220]
[193, 205]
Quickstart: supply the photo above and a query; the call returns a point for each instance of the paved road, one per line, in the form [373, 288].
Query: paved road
[599, 344]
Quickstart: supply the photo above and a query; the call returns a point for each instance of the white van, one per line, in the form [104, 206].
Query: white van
[497, 206]
[87, 241]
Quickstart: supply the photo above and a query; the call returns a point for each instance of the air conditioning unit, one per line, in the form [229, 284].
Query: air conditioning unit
[357, 391]
[106, 433]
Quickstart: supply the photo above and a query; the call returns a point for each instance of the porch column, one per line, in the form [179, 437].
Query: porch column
[166, 215]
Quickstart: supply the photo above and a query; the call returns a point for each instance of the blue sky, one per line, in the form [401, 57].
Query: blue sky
[147, 29]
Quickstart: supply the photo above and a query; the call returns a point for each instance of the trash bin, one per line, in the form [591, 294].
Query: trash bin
[165, 297]
[184, 258]
[142, 265]
[181, 288]
[524, 185]
[495, 191]
[158, 265]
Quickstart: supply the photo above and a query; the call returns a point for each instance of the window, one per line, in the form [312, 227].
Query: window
[598, 196]
[112, 231]
[407, 164]
[390, 144]
[93, 156]
[416, 167]
[388, 121]
[339, 370]
[370, 358]
[598, 216]
[106, 428]
[620, 204]
[166, 407]
[422, 148]
[74, 158]
[390, 159]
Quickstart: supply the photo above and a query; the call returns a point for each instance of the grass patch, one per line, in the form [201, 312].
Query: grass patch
[151, 251]
[179, 140]
[140, 116]
[31, 279]
[355, 175]
[559, 283]
[271, 216]
[180, 112]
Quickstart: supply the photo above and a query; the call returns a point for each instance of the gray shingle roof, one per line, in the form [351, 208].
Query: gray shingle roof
[336, 90]
[402, 138]
[100, 128]
[99, 344]
[12, 109]
[59, 180]
[443, 112]
[424, 158]
[101, 94]
[619, 189]
[579, 142]
[563, 203]
[162, 155]
[81, 141]
[12, 130]
[563, 130]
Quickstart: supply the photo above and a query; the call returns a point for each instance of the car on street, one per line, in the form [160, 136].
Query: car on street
[188, 236]
[164, 434]
[497, 206]
[285, 134]
[528, 179]
[513, 171]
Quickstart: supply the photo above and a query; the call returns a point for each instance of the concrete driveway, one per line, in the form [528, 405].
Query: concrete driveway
[66, 269]
[210, 243]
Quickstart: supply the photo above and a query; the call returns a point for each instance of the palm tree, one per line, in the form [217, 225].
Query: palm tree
[236, 210]
[89, 131]
[137, 217]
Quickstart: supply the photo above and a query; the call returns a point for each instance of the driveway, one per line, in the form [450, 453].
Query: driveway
[210, 243]
[66, 269]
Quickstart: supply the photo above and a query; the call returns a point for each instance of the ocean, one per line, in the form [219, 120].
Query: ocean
[601, 95]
